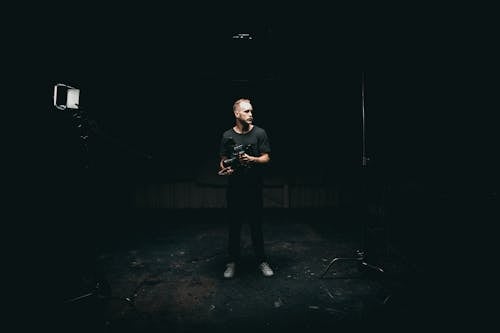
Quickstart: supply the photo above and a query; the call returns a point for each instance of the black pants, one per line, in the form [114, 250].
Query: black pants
[245, 206]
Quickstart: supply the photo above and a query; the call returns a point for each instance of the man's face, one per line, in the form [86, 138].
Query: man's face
[244, 112]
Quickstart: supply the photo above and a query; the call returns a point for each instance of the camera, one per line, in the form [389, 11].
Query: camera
[234, 161]
[235, 151]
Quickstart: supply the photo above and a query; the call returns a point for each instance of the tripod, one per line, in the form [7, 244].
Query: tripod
[360, 253]
[85, 293]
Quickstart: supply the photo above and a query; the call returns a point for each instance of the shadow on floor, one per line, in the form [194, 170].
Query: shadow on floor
[168, 277]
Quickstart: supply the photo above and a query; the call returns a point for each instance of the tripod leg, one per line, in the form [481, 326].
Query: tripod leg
[338, 259]
[372, 267]
[327, 268]
[79, 297]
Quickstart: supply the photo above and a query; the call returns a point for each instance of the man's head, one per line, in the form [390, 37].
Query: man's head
[243, 110]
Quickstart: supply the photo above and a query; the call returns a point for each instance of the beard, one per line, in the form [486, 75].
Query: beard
[245, 123]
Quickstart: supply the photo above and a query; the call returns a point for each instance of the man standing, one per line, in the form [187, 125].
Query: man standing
[244, 150]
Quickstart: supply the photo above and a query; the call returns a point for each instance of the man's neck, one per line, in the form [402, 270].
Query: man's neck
[242, 128]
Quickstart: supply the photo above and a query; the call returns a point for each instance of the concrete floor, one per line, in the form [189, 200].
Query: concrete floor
[167, 277]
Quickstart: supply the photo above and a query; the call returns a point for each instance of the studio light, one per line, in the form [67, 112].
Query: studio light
[66, 97]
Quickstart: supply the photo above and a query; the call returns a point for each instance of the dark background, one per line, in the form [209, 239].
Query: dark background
[159, 83]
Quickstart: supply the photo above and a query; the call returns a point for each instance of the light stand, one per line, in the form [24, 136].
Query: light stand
[94, 289]
[67, 99]
[360, 253]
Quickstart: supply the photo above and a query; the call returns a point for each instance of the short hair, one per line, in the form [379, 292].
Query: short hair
[239, 101]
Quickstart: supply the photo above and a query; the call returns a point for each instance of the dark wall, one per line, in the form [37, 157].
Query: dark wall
[159, 85]
[161, 90]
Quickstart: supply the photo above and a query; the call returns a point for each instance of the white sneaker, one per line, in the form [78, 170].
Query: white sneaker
[229, 272]
[266, 269]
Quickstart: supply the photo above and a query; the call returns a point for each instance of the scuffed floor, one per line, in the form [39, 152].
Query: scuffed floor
[169, 279]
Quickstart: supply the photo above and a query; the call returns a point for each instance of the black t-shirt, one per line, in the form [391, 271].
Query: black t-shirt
[255, 143]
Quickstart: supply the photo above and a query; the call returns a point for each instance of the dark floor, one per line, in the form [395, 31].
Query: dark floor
[167, 277]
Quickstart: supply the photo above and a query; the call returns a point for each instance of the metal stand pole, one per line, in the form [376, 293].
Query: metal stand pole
[361, 253]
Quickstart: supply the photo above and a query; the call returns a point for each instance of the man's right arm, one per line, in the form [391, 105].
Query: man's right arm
[221, 164]
[224, 171]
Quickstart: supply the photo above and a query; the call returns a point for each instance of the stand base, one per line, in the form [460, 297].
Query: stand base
[101, 290]
[360, 257]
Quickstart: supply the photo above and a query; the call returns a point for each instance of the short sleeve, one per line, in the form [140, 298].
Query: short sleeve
[264, 145]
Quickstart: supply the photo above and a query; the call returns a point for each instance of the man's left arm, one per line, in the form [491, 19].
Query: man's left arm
[262, 159]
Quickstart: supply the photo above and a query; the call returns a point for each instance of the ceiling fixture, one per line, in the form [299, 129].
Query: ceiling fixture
[242, 36]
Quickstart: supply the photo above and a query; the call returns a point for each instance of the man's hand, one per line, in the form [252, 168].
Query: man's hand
[226, 171]
[246, 159]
